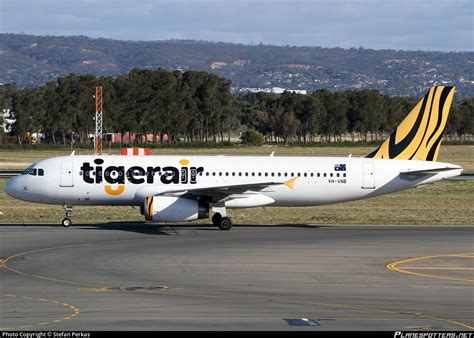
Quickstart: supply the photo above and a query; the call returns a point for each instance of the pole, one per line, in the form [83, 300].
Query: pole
[98, 121]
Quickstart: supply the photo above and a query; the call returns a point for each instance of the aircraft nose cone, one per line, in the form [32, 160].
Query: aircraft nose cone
[9, 187]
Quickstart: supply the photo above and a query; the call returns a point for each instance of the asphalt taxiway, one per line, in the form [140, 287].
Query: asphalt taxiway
[133, 276]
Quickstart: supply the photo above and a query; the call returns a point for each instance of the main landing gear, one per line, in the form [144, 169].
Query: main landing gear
[220, 219]
[67, 221]
[224, 223]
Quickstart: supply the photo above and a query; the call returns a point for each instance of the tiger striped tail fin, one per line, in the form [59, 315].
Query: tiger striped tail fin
[418, 137]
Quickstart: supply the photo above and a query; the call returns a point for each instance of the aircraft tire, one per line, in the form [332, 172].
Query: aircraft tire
[225, 223]
[216, 219]
[66, 222]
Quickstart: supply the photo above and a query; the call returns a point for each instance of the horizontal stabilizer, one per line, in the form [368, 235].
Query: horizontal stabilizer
[427, 171]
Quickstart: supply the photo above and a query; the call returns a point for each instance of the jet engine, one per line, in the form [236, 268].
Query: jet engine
[173, 209]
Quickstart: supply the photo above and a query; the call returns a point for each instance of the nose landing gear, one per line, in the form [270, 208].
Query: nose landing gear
[67, 221]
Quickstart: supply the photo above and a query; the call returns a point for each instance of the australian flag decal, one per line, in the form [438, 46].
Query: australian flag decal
[339, 167]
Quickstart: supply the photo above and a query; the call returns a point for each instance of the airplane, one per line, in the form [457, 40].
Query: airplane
[185, 188]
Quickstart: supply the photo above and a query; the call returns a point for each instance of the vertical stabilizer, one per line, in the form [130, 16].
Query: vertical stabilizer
[419, 135]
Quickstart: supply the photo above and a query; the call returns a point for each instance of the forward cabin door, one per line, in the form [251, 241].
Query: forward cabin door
[66, 174]
[368, 176]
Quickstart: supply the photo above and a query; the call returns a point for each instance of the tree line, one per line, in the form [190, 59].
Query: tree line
[195, 106]
[324, 116]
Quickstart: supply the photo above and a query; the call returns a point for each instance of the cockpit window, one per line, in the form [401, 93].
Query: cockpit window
[33, 171]
[27, 170]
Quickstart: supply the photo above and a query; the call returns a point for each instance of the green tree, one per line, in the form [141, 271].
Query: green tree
[252, 137]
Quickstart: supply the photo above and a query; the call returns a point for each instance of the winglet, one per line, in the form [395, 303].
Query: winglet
[291, 182]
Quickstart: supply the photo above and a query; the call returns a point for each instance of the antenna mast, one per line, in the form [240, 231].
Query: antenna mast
[98, 121]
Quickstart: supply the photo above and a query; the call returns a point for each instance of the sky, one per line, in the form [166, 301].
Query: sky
[435, 25]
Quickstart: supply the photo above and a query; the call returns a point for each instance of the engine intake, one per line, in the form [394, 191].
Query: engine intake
[174, 209]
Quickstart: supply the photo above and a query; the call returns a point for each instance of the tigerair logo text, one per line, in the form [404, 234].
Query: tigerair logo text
[117, 175]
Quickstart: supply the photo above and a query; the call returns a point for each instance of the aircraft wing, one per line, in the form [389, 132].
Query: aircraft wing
[221, 193]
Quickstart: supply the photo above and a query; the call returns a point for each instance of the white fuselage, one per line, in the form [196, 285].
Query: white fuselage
[128, 180]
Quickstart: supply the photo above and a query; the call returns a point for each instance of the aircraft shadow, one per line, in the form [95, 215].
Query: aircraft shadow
[129, 226]
[137, 227]
[170, 229]
[279, 225]
[164, 229]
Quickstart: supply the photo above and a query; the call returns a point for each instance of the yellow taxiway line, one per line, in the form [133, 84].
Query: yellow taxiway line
[408, 270]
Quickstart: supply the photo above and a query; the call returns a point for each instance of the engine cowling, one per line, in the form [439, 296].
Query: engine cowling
[174, 209]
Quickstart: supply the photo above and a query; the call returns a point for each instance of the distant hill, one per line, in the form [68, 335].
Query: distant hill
[29, 60]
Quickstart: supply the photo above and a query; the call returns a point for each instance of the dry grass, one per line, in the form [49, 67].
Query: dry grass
[447, 202]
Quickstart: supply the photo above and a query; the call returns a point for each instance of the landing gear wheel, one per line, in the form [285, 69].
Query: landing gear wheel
[216, 219]
[67, 220]
[225, 223]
